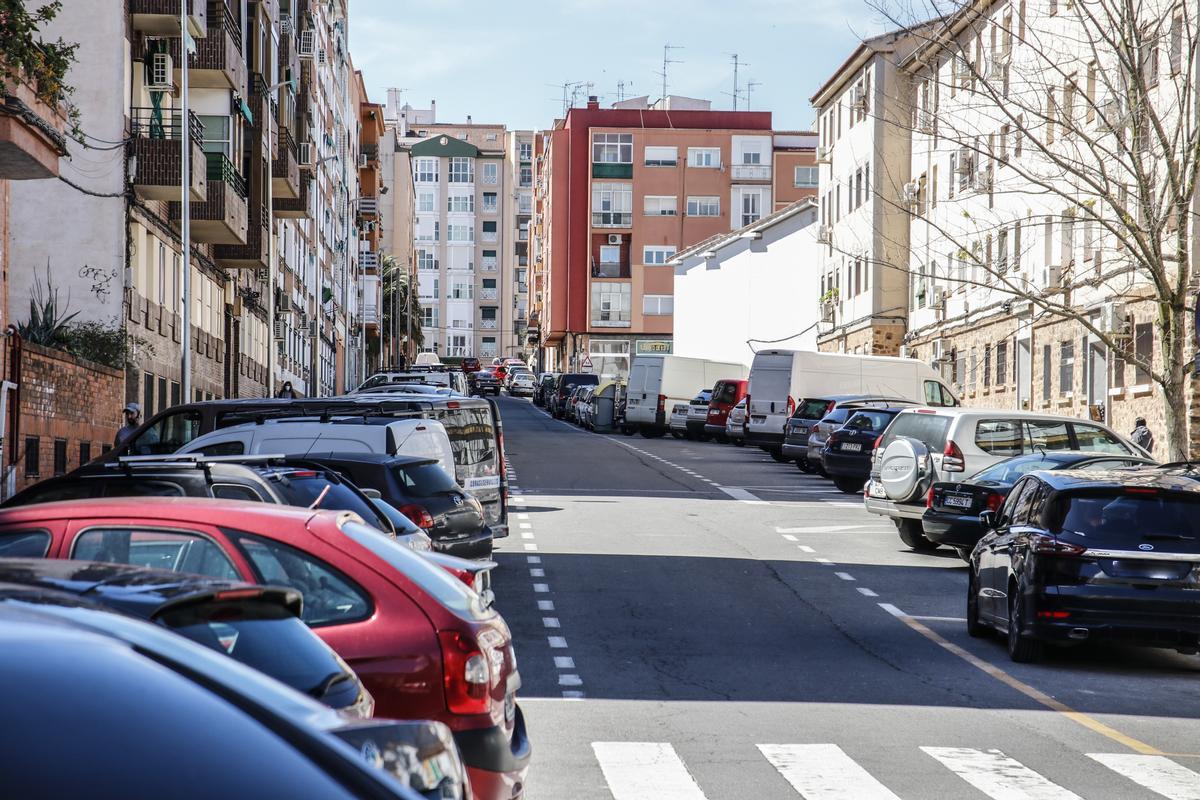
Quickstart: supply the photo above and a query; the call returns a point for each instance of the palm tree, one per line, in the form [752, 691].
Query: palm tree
[400, 307]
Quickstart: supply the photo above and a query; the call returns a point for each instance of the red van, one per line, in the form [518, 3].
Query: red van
[726, 394]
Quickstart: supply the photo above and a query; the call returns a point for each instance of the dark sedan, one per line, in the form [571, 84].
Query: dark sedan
[1077, 556]
[483, 382]
[847, 454]
[953, 507]
[423, 492]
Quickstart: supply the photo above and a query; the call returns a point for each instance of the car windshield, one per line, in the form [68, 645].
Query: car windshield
[1130, 515]
[811, 409]
[725, 393]
[313, 489]
[426, 479]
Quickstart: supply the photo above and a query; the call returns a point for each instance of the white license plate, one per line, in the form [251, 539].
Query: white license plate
[876, 490]
[957, 501]
[800, 430]
[486, 482]
[851, 447]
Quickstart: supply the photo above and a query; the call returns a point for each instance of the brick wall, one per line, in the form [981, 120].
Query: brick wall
[68, 400]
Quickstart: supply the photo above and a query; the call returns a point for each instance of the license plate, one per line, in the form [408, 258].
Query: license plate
[851, 447]
[800, 430]
[876, 490]
[957, 501]
[486, 482]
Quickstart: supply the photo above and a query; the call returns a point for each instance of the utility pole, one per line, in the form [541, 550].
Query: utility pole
[667, 60]
[185, 172]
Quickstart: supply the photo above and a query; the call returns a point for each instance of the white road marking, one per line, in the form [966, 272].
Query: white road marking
[530, 546]
[533, 559]
[545, 605]
[942, 619]
[564, 662]
[806, 549]
[541, 588]
[557, 642]
[823, 528]
[525, 526]
[571, 695]
[824, 561]
[846, 576]
[526, 534]
[789, 537]
[743, 495]
[997, 775]
[837, 504]
[891, 609]
[1157, 773]
[824, 772]
[570, 680]
[645, 771]
[866, 592]
[551, 622]
[537, 572]
[522, 516]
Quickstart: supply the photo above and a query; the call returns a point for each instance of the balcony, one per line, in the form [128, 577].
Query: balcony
[295, 207]
[253, 254]
[368, 206]
[750, 172]
[370, 314]
[222, 217]
[285, 169]
[612, 219]
[218, 63]
[488, 294]
[32, 136]
[487, 236]
[488, 324]
[161, 17]
[604, 269]
[612, 170]
[157, 147]
[368, 259]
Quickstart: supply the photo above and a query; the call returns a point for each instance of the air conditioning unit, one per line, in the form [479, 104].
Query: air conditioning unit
[307, 46]
[823, 155]
[1112, 319]
[262, 275]
[161, 77]
[941, 350]
[828, 309]
[313, 328]
[283, 305]
[321, 57]
[825, 234]
[280, 330]
[1051, 277]
[614, 238]
[285, 23]
[306, 154]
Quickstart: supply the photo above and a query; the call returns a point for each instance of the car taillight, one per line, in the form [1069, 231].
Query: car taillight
[952, 457]
[419, 515]
[994, 501]
[878, 439]
[829, 406]
[662, 403]
[466, 674]
[503, 460]
[791, 406]
[929, 498]
[1046, 544]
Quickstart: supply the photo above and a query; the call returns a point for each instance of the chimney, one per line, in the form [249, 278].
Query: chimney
[593, 102]
[432, 112]
[468, 119]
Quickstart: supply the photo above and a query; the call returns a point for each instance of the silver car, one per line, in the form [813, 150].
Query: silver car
[735, 424]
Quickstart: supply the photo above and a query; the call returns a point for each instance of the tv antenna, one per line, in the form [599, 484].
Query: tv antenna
[749, 90]
[667, 60]
[736, 90]
[621, 89]
[570, 89]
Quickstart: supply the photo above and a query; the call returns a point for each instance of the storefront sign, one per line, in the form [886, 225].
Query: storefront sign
[652, 347]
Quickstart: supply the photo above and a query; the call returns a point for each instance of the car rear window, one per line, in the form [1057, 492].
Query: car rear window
[725, 393]
[578, 379]
[312, 489]
[811, 408]
[1116, 516]
[424, 480]
[927, 428]
[431, 578]
[271, 639]
[24, 544]
[702, 399]
[472, 435]
[869, 420]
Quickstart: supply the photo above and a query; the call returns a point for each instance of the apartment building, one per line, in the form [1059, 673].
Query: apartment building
[520, 219]
[863, 154]
[621, 190]
[370, 224]
[796, 172]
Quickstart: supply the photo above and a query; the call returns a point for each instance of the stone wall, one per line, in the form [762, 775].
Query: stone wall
[873, 339]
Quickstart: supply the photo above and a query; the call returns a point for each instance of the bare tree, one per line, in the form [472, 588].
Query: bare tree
[1080, 114]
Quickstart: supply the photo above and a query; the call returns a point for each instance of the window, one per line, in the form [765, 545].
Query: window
[24, 544]
[704, 157]
[329, 596]
[987, 365]
[233, 491]
[461, 203]
[33, 447]
[751, 208]
[1002, 364]
[60, 456]
[85, 453]
[612, 148]
[489, 203]
[658, 305]
[704, 206]
[525, 151]
[610, 304]
[1089, 437]
[489, 226]
[612, 205]
[491, 173]
[489, 261]
[1047, 435]
[462, 169]
[429, 316]
[610, 254]
[525, 175]
[657, 255]
[662, 156]
[460, 233]
[426, 260]
[1066, 367]
[660, 205]
[425, 170]
[751, 152]
[462, 291]
[999, 437]
[218, 134]
[1143, 348]
[805, 177]
[425, 202]
[175, 550]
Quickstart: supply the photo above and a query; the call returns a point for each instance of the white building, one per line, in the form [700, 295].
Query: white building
[739, 292]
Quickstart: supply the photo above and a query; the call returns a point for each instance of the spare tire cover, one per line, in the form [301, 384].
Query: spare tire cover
[903, 468]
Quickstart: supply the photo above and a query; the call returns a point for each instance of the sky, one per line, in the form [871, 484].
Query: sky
[505, 62]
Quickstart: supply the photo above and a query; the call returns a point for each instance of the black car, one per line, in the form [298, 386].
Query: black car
[567, 383]
[847, 454]
[256, 625]
[811, 412]
[1077, 555]
[483, 382]
[953, 507]
[424, 493]
[99, 704]
[545, 385]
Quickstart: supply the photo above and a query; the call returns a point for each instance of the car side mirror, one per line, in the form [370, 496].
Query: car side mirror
[373, 494]
[989, 520]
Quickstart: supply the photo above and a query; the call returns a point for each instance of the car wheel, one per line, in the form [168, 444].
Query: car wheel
[848, 485]
[739, 442]
[975, 628]
[628, 430]
[803, 465]
[778, 456]
[913, 535]
[1021, 649]
[650, 433]
[677, 434]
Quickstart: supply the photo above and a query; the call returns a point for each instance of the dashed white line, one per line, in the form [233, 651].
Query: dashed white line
[891, 609]
[846, 576]
[789, 537]
[545, 605]
[866, 592]
[522, 516]
[526, 535]
[824, 561]
[525, 526]
[531, 547]
[806, 549]
[533, 559]
[537, 572]
[567, 695]
[570, 680]
[557, 642]
[564, 662]
[551, 622]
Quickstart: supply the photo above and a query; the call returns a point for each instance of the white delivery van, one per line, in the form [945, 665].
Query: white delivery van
[779, 379]
[657, 383]
[306, 436]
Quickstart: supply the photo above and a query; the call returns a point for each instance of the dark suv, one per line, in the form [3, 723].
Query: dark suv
[567, 383]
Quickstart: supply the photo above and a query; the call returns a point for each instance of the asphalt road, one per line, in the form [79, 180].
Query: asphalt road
[697, 621]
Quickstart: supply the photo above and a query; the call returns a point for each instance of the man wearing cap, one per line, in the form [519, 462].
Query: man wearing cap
[133, 419]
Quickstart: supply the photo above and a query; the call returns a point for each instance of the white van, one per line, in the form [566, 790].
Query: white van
[781, 378]
[427, 360]
[657, 383]
[305, 436]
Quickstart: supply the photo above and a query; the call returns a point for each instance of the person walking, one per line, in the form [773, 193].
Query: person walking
[133, 419]
[287, 392]
[1142, 436]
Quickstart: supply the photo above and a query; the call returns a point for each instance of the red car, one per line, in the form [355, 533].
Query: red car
[421, 642]
[471, 365]
[726, 394]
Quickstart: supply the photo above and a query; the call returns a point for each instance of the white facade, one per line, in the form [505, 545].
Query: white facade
[749, 289]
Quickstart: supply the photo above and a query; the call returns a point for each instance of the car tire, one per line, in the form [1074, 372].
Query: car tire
[1021, 649]
[848, 485]
[913, 535]
[803, 465]
[975, 628]
[650, 433]
[778, 456]
[628, 430]
[677, 434]
[739, 442]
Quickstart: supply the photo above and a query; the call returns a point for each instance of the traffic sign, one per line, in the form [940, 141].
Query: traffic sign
[586, 364]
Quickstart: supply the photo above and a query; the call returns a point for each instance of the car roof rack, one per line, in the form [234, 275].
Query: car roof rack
[323, 409]
[190, 460]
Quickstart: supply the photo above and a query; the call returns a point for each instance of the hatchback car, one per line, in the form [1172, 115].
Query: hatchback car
[522, 384]
[926, 445]
[697, 418]
[678, 421]
[847, 453]
[952, 508]
[424, 645]
[545, 385]
[799, 444]
[725, 395]
[735, 423]
[1077, 556]
[470, 364]
[483, 382]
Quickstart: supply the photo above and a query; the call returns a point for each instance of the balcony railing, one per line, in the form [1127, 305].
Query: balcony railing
[607, 270]
[488, 236]
[612, 219]
[163, 123]
[751, 172]
[368, 260]
[221, 168]
[488, 324]
[157, 139]
[488, 294]
[368, 206]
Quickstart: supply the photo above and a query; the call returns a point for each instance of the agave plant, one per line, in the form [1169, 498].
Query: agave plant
[48, 320]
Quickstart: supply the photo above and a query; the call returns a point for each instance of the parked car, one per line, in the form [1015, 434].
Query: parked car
[585, 407]
[425, 494]
[522, 384]
[926, 445]
[697, 417]
[779, 378]
[567, 382]
[657, 382]
[842, 411]
[677, 423]
[804, 421]
[735, 423]
[847, 454]
[545, 386]
[469, 364]
[483, 382]
[423, 643]
[953, 507]
[726, 394]
[571, 404]
[1077, 555]
[257, 625]
[138, 711]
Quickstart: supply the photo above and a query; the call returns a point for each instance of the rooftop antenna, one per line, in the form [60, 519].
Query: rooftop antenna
[736, 89]
[667, 60]
[749, 90]
[621, 89]
[569, 91]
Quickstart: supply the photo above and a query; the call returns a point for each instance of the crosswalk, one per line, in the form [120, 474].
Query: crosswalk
[654, 771]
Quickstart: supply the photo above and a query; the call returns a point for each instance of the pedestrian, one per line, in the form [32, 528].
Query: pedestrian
[133, 419]
[287, 391]
[1142, 436]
